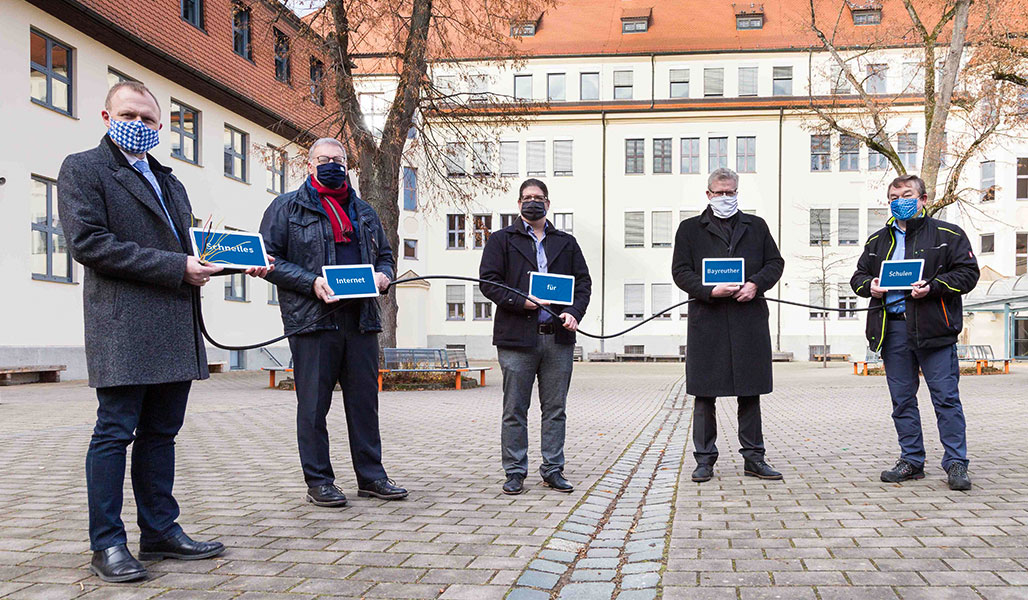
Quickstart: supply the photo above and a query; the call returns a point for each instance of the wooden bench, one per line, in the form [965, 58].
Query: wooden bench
[428, 360]
[273, 371]
[981, 363]
[668, 357]
[632, 357]
[217, 367]
[860, 366]
[31, 374]
[601, 357]
[832, 357]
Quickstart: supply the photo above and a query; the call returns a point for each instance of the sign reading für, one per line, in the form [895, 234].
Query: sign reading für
[351, 281]
[728, 271]
[558, 289]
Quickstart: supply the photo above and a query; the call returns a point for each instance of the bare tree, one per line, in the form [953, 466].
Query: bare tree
[824, 264]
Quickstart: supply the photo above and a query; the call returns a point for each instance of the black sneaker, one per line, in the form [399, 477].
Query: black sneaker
[514, 485]
[903, 471]
[958, 479]
[326, 495]
[760, 469]
[703, 473]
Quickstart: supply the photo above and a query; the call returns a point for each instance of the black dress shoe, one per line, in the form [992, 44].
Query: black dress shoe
[384, 489]
[514, 485]
[703, 473]
[760, 469]
[556, 481]
[903, 471]
[958, 479]
[180, 546]
[326, 495]
[116, 565]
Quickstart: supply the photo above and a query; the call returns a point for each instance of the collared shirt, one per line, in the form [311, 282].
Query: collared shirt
[141, 165]
[540, 258]
[898, 254]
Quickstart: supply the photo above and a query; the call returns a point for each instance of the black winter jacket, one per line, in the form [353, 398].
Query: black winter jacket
[949, 265]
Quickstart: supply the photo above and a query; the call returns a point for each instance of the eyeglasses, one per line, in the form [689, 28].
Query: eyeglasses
[723, 192]
[324, 160]
[533, 197]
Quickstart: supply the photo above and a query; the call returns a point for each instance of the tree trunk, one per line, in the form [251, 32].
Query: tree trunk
[379, 186]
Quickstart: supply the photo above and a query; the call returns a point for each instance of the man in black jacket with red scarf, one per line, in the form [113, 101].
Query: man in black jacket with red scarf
[326, 223]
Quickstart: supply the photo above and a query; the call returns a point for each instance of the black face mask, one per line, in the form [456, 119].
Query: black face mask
[331, 175]
[533, 210]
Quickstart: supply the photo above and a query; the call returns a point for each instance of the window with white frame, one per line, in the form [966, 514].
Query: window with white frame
[713, 82]
[688, 214]
[622, 85]
[589, 86]
[483, 306]
[483, 225]
[839, 83]
[508, 219]
[987, 243]
[482, 158]
[235, 287]
[456, 232]
[849, 153]
[876, 161]
[661, 224]
[748, 81]
[690, 155]
[847, 302]
[564, 222]
[746, 154]
[876, 219]
[877, 78]
[907, 148]
[662, 155]
[455, 302]
[1022, 178]
[820, 226]
[635, 229]
[820, 152]
[988, 180]
[849, 226]
[635, 25]
[635, 301]
[410, 249]
[454, 160]
[679, 83]
[818, 297]
[523, 87]
[635, 154]
[717, 153]
[563, 158]
[556, 87]
[913, 78]
[535, 157]
[660, 298]
[509, 159]
[781, 81]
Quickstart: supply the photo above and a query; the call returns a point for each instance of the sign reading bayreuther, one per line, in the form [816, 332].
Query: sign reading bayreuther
[729, 271]
[900, 274]
[229, 249]
[558, 289]
[351, 281]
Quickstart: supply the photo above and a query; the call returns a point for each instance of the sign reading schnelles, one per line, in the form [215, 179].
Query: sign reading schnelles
[900, 274]
[728, 271]
[229, 249]
[559, 289]
[351, 281]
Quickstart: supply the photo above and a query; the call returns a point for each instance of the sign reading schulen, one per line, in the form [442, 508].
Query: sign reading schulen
[900, 274]
[351, 281]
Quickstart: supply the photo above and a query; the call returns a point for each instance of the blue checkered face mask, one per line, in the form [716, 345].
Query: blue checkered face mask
[133, 136]
[903, 208]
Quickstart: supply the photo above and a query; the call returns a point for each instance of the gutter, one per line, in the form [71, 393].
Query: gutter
[778, 305]
[603, 229]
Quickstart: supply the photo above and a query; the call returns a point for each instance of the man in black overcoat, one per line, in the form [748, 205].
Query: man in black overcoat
[729, 344]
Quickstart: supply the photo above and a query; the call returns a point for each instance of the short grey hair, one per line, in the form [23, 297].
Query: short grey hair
[323, 141]
[723, 174]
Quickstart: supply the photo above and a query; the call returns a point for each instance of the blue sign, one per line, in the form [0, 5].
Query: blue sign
[559, 289]
[229, 249]
[351, 281]
[900, 274]
[729, 271]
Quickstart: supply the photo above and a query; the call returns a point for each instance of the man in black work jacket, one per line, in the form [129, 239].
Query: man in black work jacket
[326, 223]
[920, 332]
[531, 343]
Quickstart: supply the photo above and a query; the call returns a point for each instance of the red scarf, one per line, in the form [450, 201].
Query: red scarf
[332, 201]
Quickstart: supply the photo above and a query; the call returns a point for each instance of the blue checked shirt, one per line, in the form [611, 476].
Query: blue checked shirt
[898, 254]
[541, 262]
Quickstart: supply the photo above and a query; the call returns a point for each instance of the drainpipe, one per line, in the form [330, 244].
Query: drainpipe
[603, 229]
[1007, 338]
[653, 76]
[778, 308]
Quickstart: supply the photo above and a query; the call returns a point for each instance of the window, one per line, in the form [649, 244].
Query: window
[907, 149]
[635, 301]
[988, 185]
[478, 89]
[185, 125]
[483, 306]
[876, 78]
[690, 160]
[913, 78]
[115, 77]
[50, 72]
[523, 87]
[747, 81]
[683, 311]
[589, 86]
[508, 219]
[660, 298]
[1021, 254]
[876, 161]
[876, 219]
[555, 87]
[662, 155]
[661, 223]
[241, 31]
[564, 222]
[744, 22]
[235, 153]
[679, 83]
[713, 82]
[51, 260]
[1022, 179]
[870, 16]
[410, 188]
[562, 158]
[635, 152]
[509, 159]
[849, 226]
[688, 214]
[818, 297]
[455, 232]
[988, 243]
[282, 69]
[635, 229]
[482, 158]
[482, 227]
[635, 349]
[526, 29]
[849, 153]
[847, 302]
[317, 82]
[622, 85]
[410, 249]
[746, 154]
[717, 153]
[192, 13]
[635, 25]
[535, 157]
[820, 153]
[840, 84]
[275, 172]
[235, 287]
[454, 160]
[781, 81]
[455, 302]
[237, 360]
[272, 293]
[1021, 337]
[820, 226]
[374, 108]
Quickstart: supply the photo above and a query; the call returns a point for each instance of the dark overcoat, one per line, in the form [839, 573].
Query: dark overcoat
[138, 312]
[729, 344]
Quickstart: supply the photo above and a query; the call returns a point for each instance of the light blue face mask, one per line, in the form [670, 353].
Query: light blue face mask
[904, 208]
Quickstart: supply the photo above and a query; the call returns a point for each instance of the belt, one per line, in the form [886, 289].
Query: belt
[896, 316]
[547, 328]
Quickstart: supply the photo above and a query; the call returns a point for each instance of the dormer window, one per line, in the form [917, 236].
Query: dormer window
[635, 20]
[749, 16]
[525, 27]
[866, 12]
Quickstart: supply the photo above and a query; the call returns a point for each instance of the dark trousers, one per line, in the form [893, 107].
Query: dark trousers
[321, 359]
[704, 429]
[148, 417]
[942, 374]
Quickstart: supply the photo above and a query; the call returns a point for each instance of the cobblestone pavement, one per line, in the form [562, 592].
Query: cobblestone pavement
[635, 527]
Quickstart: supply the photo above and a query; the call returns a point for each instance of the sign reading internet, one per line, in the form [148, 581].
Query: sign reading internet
[229, 249]
[900, 274]
[559, 289]
[729, 271]
[351, 281]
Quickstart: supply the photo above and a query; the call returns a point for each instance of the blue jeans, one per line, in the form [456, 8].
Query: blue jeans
[942, 374]
[148, 417]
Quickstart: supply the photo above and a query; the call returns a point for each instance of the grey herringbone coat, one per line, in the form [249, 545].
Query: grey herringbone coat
[139, 322]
